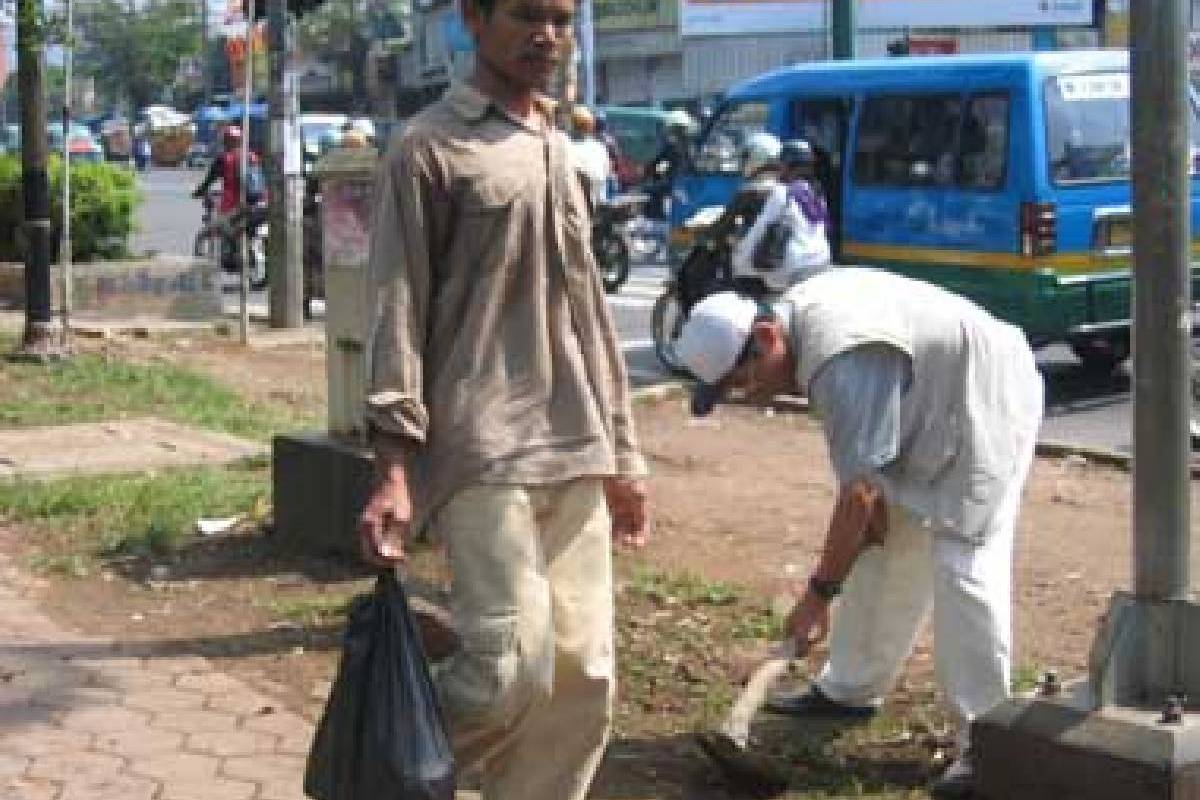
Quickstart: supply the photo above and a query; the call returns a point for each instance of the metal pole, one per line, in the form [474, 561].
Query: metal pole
[285, 246]
[205, 68]
[68, 276]
[1162, 298]
[587, 44]
[844, 29]
[243, 241]
[37, 341]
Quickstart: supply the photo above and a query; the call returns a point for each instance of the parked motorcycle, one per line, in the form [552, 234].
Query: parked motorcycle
[221, 242]
[612, 239]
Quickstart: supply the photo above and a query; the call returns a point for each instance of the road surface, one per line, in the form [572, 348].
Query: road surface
[1081, 408]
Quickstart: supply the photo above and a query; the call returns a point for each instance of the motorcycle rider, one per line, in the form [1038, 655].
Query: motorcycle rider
[227, 168]
[796, 206]
[708, 267]
[674, 157]
[590, 154]
[615, 158]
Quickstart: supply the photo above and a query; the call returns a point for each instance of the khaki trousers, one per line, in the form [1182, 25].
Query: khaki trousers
[528, 696]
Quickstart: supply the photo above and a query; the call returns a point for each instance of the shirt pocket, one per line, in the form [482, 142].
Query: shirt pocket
[486, 196]
[487, 218]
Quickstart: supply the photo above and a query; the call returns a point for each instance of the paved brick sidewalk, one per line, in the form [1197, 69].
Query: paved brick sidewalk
[83, 718]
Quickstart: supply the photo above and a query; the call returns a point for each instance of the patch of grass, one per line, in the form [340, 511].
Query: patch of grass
[683, 645]
[69, 565]
[312, 609]
[684, 588]
[1025, 678]
[759, 624]
[142, 514]
[92, 388]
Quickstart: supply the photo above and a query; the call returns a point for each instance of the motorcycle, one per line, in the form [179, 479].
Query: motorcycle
[705, 269]
[220, 240]
[611, 238]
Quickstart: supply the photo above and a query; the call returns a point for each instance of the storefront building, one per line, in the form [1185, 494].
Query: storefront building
[664, 51]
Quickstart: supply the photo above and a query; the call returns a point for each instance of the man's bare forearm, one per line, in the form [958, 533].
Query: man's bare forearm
[855, 525]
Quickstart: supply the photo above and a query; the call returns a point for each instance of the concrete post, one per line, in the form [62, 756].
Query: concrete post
[321, 480]
[285, 245]
[845, 28]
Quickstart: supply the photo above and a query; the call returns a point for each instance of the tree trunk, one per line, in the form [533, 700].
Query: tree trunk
[37, 341]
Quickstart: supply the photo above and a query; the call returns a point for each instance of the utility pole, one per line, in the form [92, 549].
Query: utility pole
[587, 47]
[285, 245]
[65, 256]
[37, 341]
[845, 28]
[1128, 733]
[205, 67]
[1162, 291]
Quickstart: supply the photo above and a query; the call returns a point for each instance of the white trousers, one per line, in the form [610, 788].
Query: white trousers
[528, 696]
[889, 592]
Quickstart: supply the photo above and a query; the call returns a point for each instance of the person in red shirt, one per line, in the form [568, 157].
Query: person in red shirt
[227, 168]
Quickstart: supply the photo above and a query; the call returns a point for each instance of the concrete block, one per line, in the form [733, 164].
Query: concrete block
[320, 486]
[1036, 748]
[177, 288]
[1143, 653]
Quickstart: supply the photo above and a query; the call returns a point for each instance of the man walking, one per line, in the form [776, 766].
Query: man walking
[930, 409]
[499, 408]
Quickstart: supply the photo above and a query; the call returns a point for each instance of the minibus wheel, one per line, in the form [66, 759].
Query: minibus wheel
[1101, 354]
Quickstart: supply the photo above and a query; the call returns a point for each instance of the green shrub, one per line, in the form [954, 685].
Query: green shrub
[104, 198]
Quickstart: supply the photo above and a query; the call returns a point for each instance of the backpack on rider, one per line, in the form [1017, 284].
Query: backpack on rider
[707, 267]
[788, 241]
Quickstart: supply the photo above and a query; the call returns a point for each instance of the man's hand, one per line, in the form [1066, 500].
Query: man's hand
[384, 523]
[808, 623]
[626, 499]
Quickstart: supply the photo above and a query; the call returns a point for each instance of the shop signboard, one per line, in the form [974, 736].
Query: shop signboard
[724, 17]
[624, 15]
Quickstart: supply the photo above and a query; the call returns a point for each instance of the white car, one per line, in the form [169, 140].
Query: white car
[315, 129]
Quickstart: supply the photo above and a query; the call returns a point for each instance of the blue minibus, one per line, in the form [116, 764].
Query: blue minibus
[1004, 177]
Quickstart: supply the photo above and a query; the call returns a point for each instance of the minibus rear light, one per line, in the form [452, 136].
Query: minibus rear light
[1039, 228]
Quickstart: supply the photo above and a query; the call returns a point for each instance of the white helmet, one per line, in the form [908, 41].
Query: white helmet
[759, 150]
[681, 119]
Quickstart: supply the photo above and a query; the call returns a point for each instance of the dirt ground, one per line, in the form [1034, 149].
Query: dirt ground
[740, 504]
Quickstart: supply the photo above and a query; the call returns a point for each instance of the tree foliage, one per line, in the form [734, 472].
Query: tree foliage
[133, 48]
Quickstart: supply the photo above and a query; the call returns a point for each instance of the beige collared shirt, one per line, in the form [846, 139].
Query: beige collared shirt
[493, 357]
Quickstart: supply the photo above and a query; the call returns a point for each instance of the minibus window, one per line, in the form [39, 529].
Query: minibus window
[983, 154]
[719, 152]
[1087, 127]
[908, 141]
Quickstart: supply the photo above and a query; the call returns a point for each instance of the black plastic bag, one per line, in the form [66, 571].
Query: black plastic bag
[382, 735]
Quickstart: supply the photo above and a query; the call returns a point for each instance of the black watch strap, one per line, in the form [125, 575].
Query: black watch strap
[825, 589]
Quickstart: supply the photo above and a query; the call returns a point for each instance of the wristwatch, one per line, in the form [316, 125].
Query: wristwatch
[824, 589]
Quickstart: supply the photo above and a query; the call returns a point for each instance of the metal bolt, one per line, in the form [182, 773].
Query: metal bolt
[1172, 710]
[1050, 685]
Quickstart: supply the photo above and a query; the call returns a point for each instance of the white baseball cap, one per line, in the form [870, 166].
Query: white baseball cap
[712, 341]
